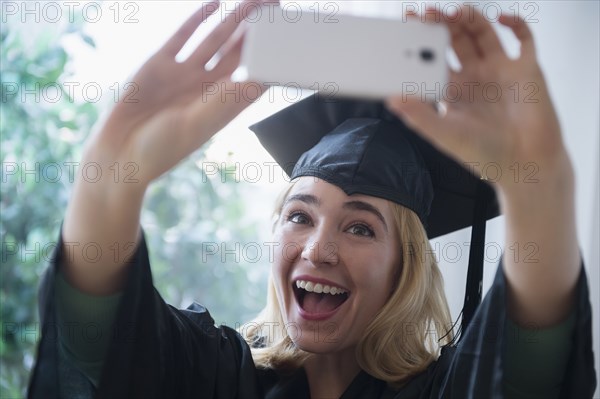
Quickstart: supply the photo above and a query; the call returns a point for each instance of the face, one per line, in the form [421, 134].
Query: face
[335, 264]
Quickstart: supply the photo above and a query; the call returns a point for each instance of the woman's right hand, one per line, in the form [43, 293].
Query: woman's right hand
[170, 110]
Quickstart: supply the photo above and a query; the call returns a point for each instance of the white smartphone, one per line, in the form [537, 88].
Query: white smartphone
[345, 54]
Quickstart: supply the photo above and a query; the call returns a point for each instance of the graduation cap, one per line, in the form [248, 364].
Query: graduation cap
[361, 147]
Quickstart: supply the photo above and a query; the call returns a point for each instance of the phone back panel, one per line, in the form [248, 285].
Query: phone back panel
[345, 54]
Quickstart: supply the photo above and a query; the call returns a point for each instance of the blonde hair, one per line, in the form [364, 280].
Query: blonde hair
[405, 335]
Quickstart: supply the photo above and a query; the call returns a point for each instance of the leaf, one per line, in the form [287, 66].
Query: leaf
[88, 40]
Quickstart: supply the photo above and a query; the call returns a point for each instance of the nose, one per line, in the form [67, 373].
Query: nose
[321, 248]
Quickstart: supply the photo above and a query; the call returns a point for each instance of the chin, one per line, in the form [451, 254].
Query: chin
[321, 338]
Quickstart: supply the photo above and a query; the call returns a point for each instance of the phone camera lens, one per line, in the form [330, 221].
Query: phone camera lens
[427, 55]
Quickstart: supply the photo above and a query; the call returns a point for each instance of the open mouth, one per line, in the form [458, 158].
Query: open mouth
[316, 298]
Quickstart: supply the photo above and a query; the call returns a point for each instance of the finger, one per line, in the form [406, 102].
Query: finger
[213, 111]
[452, 92]
[482, 34]
[420, 115]
[412, 14]
[522, 32]
[230, 60]
[439, 130]
[213, 42]
[461, 42]
[178, 40]
[432, 15]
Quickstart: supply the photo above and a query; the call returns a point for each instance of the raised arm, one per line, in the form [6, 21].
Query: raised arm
[170, 110]
[502, 116]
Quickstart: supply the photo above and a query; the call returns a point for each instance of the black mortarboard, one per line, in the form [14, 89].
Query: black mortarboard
[361, 147]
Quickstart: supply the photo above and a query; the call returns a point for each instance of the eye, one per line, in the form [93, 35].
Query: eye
[361, 230]
[298, 218]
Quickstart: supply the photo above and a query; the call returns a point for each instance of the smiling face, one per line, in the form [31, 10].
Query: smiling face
[335, 264]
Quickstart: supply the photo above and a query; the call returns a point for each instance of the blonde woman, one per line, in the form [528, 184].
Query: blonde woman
[355, 306]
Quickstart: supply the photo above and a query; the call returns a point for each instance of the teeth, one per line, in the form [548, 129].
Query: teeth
[319, 288]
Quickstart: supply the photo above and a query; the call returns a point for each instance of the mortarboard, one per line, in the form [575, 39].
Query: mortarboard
[361, 147]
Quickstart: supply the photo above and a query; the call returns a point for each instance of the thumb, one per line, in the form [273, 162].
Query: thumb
[432, 123]
[424, 117]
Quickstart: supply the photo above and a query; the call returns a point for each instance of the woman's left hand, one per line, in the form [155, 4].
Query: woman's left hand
[500, 122]
[499, 118]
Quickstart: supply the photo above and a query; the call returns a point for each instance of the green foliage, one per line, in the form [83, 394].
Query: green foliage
[186, 213]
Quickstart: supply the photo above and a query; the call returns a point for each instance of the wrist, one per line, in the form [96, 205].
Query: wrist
[552, 184]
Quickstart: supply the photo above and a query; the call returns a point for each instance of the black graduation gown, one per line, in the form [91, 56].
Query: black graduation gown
[158, 351]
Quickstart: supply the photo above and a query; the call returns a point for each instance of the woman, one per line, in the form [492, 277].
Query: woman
[335, 237]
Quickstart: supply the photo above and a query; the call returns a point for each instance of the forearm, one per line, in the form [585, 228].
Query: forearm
[101, 230]
[542, 260]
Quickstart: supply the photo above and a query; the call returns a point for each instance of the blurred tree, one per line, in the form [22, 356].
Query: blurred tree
[190, 219]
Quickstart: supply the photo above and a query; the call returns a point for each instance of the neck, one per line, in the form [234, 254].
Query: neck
[329, 375]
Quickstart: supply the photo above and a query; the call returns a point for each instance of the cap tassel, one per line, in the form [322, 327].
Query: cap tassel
[476, 253]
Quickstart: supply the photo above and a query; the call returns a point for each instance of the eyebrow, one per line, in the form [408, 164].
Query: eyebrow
[353, 205]
[306, 198]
